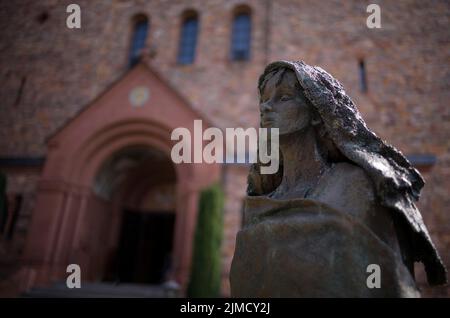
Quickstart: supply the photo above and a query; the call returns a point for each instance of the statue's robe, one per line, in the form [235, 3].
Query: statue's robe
[322, 245]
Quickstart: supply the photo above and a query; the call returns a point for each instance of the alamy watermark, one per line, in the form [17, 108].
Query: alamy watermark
[73, 21]
[249, 145]
[74, 279]
[374, 279]
[374, 19]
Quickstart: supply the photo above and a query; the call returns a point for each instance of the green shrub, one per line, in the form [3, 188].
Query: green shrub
[206, 261]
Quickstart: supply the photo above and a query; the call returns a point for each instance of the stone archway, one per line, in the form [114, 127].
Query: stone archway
[63, 227]
[139, 184]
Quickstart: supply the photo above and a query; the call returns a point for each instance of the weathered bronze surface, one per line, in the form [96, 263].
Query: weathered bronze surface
[343, 199]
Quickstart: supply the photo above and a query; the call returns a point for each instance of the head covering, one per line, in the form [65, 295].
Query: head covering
[397, 183]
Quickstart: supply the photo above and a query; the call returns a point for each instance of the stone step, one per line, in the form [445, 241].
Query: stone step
[104, 290]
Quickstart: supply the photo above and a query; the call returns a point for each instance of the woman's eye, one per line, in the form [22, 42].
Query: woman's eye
[285, 98]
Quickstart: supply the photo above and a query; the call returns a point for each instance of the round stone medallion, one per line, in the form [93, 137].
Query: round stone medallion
[139, 96]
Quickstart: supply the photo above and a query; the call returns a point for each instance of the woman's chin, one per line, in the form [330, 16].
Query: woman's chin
[295, 130]
[268, 124]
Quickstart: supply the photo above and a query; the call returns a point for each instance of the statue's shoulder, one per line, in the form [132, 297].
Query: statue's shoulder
[347, 187]
[352, 176]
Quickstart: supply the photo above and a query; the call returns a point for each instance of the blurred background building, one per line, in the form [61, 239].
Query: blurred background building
[86, 116]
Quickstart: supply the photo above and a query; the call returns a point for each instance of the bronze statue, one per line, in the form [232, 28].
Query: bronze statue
[343, 199]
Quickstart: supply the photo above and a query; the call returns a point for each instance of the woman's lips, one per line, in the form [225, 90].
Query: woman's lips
[267, 121]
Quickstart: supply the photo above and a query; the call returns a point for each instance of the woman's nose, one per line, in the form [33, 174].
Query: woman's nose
[266, 107]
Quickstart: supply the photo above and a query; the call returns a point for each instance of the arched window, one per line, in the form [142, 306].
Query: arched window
[140, 31]
[241, 35]
[188, 38]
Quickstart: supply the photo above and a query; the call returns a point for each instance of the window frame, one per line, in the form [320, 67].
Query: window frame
[241, 34]
[139, 37]
[188, 38]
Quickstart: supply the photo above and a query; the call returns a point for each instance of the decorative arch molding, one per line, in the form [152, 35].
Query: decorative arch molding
[189, 13]
[111, 139]
[240, 9]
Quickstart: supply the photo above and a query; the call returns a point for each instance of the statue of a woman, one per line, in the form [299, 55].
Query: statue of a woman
[338, 219]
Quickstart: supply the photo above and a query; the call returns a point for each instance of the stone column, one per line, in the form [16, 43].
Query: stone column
[185, 222]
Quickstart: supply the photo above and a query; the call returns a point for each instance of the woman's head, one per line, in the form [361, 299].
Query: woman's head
[283, 104]
[294, 95]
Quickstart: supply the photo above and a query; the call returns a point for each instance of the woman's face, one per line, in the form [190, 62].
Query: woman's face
[283, 105]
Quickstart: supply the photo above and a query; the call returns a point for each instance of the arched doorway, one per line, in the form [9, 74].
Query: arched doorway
[140, 183]
[101, 172]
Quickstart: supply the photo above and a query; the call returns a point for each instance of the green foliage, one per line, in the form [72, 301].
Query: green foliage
[205, 271]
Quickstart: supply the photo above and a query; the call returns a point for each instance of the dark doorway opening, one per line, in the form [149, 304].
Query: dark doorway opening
[145, 247]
